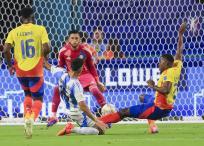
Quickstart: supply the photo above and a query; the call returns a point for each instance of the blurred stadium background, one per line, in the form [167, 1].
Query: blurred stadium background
[145, 29]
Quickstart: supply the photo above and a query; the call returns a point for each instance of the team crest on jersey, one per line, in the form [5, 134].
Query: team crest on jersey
[81, 56]
[165, 78]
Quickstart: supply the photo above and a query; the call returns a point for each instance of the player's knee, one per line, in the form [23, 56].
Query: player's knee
[124, 113]
[141, 98]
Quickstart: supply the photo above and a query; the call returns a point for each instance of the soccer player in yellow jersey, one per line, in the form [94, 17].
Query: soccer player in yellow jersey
[166, 89]
[31, 46]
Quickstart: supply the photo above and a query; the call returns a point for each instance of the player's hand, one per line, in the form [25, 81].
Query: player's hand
[101, 125]
[182, 28]
[150, 83]
[11, 70]
[101, 86]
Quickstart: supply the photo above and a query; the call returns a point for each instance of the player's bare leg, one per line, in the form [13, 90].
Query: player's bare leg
[31, 116]
[27, 116]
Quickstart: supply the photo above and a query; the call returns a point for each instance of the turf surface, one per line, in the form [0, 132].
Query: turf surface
[118, 135]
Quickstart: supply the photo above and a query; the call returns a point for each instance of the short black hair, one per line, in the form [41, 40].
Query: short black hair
[74, 32]
[26, 12]
[77, 64]
[168, 57]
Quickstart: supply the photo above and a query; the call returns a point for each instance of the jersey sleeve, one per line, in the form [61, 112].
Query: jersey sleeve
[78, 92]
[10, 39]
[61, 61]
[44, 38]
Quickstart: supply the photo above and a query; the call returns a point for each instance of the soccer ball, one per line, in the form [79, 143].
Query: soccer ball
[107, 109]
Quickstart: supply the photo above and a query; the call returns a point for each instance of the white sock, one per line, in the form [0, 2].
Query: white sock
[85, 130]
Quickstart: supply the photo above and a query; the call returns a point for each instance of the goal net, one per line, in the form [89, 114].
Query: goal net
[134, 32]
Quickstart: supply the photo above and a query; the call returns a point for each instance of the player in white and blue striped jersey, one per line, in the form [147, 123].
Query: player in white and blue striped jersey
[71, 93]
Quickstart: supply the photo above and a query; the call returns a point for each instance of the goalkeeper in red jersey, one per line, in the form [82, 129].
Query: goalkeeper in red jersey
[88, 78]
[166, 89]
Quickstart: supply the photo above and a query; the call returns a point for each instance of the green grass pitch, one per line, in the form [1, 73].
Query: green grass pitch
[118, 135]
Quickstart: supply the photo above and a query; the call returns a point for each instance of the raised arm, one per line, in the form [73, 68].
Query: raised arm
[179, 51]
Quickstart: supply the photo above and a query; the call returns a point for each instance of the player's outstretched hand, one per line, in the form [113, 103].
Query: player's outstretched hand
[101, 86]
[101, 125]
[150, 83]
[182, 28]
[11, 70]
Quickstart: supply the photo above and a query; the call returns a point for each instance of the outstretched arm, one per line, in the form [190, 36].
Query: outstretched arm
[179, 51]
[87, 111]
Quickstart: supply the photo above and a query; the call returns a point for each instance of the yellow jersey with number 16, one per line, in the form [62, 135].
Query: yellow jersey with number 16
[27, 41]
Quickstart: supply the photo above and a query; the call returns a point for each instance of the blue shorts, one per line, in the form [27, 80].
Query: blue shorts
[33, 86]
[148, 111]
[148, 98]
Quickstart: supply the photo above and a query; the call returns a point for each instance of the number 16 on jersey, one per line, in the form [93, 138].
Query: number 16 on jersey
[27, 49]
